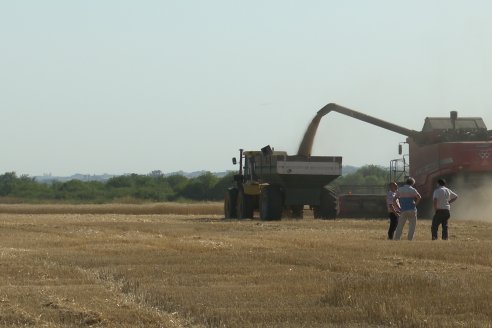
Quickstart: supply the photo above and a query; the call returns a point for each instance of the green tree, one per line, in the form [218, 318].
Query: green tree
[374, 171]
[177, 182]
[27, 188]
[122, 181]
[218, 191]
[7, 183]
[200, 188]
[78, 190]
[365, 176]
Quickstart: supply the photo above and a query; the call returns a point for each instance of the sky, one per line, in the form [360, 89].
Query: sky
[119, 86]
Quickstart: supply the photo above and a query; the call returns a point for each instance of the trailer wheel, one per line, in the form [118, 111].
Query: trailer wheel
[328, 207]
[271, 203]
[245, 205]
[297, 211]
[230, 201]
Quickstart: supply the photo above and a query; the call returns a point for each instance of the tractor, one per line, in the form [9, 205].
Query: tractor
[274, 183]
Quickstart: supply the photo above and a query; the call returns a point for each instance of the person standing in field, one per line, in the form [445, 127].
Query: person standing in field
[393, 206]
[409, 198]
[442, 197]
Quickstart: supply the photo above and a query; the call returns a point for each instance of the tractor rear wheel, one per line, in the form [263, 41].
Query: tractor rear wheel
[328, 207]
[245, 205]
[230, 200]
[271, 203]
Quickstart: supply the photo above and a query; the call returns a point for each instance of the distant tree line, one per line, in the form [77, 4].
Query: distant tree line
[152, 187]
[127, 188]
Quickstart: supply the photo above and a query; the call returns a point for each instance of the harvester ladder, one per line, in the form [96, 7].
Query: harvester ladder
[399, 169]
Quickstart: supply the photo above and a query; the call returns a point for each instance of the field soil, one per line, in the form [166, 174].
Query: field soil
[198, 270]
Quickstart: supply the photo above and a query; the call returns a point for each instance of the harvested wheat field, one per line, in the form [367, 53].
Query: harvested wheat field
[189, 270]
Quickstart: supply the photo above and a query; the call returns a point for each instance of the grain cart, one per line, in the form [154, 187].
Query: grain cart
[272, 182]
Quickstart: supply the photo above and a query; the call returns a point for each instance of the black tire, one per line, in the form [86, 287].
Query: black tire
[271, 203]
[328, 207]
[230, 202]
[245, 205]
[297, 211]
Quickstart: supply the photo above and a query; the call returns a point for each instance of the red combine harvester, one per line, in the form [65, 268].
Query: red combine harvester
[458, 149]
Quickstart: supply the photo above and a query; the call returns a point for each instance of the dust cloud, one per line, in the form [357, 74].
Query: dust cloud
[306, 146]
[474, 201]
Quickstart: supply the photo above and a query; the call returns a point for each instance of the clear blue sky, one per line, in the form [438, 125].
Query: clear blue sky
[113, 86]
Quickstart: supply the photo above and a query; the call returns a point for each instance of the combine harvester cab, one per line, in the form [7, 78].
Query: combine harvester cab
[272, 182]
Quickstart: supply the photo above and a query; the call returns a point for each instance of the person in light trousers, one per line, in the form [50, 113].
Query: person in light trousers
[409, 198]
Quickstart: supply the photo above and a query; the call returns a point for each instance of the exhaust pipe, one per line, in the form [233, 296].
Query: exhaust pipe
[454, 116]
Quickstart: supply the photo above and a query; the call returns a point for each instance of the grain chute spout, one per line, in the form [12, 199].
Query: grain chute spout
[306, 145]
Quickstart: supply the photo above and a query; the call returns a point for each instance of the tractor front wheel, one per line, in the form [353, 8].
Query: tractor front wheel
[245, 205]
[271, 204]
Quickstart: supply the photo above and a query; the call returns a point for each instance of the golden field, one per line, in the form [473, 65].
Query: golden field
[182, 266]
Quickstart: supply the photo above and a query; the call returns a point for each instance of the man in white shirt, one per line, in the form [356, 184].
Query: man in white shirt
[442, 197]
